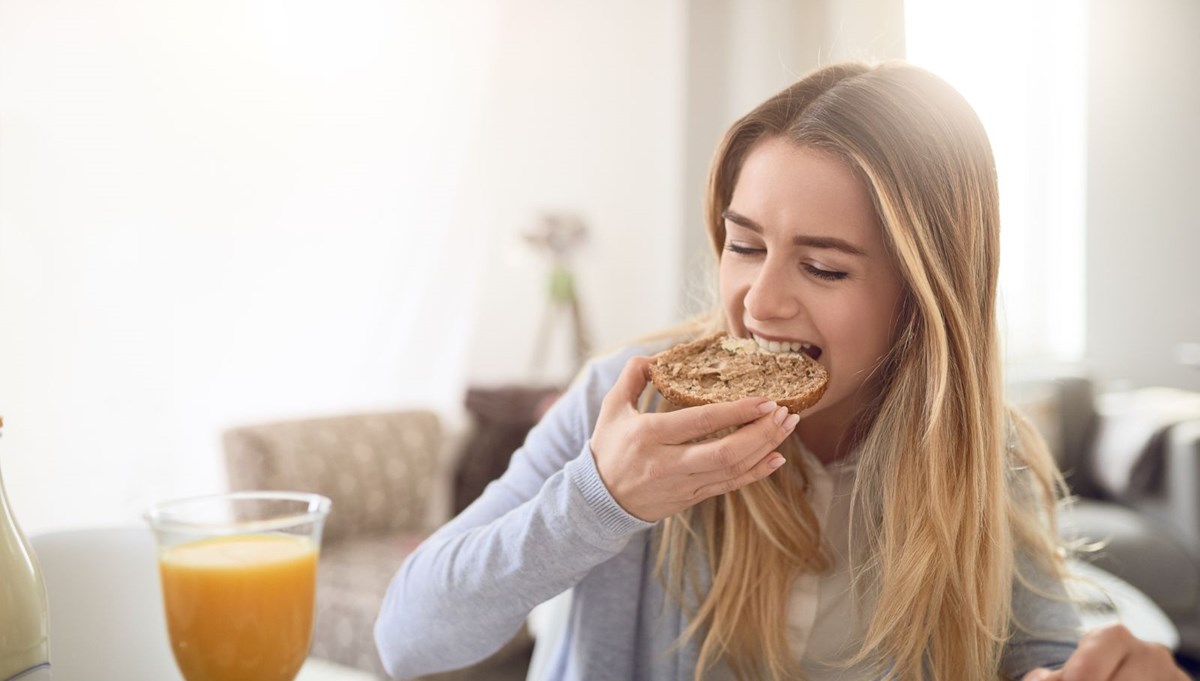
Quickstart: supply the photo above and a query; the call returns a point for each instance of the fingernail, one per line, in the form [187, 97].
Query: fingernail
[780, 415]
[791, 422]
[766, 407]
[776, 463]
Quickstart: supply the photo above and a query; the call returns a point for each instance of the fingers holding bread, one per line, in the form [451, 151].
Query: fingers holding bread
[685, 425]
[642, 458]
[736, 452]
[740, 403]
[631, 383]
[762, 468]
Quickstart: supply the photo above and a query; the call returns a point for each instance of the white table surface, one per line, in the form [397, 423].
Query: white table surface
[1107, 600]
[323, 670]
[106, 612]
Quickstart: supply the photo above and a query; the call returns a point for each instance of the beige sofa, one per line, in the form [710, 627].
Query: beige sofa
[388, 475]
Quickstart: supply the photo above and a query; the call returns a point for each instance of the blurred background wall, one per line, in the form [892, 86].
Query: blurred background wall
[224, 212]
[1143, 173]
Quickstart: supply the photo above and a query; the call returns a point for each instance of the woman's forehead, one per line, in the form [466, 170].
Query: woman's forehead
[795, 190]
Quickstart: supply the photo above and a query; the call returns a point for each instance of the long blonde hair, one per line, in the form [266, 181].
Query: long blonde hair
[941, 503]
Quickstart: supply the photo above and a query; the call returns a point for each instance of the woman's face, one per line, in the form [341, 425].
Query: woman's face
[805, 262]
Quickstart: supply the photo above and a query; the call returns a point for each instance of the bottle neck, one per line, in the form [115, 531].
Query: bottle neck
[4, 512]
[24, 645]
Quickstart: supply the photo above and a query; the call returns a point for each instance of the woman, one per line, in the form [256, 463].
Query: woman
[911, 534]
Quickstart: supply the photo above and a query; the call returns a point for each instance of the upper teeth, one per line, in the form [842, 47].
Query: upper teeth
[776, 346]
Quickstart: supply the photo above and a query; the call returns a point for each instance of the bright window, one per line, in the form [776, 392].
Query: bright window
[1021, 64]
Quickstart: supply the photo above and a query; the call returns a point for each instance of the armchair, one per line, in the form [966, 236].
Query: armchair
[383, 473]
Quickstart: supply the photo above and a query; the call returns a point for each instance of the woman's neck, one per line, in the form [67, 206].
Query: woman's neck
[826, 436]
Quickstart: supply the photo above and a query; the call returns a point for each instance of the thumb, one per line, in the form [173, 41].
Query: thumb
[632, 381]
[1042, 675]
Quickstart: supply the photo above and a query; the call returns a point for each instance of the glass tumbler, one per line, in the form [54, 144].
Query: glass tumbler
[239, 575]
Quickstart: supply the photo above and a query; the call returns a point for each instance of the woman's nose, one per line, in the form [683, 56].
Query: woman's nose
[772, 294]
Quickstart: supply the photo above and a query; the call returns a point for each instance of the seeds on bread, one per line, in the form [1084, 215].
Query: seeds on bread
[720, 368]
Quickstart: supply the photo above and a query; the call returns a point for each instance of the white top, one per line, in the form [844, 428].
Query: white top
[823, 624]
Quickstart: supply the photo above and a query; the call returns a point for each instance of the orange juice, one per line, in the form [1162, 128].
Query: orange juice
[240, 608]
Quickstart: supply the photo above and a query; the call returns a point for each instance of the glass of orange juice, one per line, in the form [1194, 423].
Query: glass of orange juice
[239, 575]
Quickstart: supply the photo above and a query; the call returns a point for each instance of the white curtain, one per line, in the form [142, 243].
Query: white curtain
[1022, 65]
[220, 212]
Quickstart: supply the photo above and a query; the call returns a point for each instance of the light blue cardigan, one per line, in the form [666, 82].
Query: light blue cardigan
[548, 525]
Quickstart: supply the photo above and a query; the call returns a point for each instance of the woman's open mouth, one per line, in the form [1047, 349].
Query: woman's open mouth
[807, 348]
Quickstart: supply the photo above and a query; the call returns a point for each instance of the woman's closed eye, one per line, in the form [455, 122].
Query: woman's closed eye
[820, 273]
[829, 275]
[743, 250]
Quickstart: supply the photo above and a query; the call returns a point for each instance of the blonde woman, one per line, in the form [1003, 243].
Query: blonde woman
[901, 528]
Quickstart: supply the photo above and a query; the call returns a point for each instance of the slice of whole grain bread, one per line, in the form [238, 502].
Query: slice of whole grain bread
[720, 368]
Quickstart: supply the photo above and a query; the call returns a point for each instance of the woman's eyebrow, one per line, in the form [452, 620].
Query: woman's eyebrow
[830, 242]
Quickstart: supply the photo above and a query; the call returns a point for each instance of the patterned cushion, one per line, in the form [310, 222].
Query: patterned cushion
[352, 579]
[377, 469]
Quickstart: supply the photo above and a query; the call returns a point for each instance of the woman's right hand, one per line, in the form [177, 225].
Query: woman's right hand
[652, 467]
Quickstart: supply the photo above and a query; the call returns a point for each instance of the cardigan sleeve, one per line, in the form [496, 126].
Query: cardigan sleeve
[534, 533]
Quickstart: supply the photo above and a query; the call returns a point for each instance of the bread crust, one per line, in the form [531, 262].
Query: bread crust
[717, 368]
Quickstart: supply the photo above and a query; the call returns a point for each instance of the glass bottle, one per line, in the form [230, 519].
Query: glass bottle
[24, 627]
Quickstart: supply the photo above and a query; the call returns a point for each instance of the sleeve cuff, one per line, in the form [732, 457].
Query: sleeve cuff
[615, 521]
